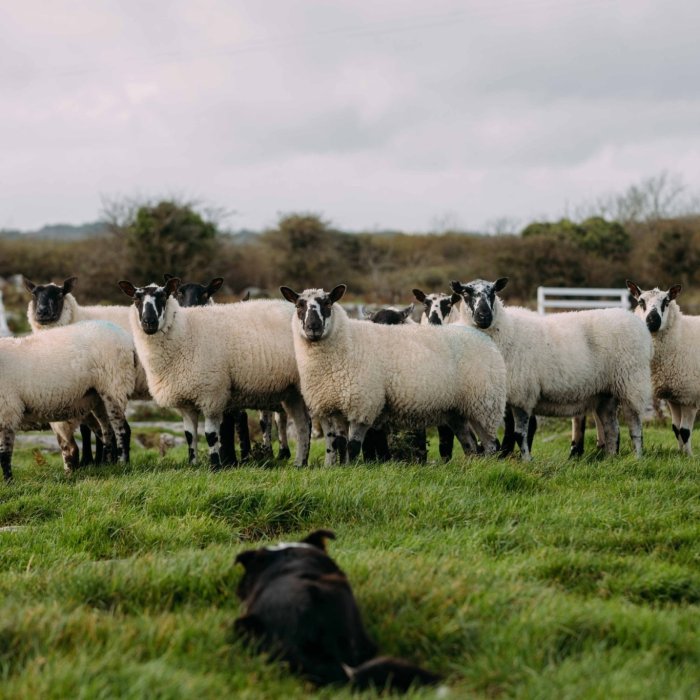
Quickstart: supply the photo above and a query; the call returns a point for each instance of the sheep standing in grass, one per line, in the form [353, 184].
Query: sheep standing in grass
[207, 359]
[361, 373]
[54, 306]
[194, 294]
[63, 375]
[566, 364]
[675, 369]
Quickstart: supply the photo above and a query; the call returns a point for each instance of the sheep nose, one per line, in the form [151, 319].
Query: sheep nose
[653, 321]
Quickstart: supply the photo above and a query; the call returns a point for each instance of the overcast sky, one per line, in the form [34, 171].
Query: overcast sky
[375, 113]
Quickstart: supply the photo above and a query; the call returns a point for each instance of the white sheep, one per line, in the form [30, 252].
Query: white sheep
[360, 373]
[63, 375]
[566, 364]
[675, 369]
[195, 294]
[438, 308]
[210, 358]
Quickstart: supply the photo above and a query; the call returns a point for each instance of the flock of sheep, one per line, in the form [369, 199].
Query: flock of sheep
[469, 362]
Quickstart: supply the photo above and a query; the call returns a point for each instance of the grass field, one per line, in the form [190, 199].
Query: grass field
[554, 579]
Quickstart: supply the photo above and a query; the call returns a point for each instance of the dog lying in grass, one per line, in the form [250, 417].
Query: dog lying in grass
[300, 608]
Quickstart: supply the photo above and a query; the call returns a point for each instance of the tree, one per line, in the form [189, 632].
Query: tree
[167, 236]
[302, 247]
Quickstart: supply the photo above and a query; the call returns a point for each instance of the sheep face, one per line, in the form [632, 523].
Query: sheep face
[193, 294]
[480, 298]
[314, 309]
[652, 305]
[437, 306]
[150, 302]
[48, 299]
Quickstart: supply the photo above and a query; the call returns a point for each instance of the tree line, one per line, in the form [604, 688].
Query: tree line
[304, 250]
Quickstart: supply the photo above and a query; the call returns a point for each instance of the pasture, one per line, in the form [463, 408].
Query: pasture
[554, 579]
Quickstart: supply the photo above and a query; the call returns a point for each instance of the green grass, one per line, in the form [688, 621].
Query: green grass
[555, 579]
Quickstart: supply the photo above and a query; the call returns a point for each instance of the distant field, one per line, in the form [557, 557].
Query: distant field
[555, 579]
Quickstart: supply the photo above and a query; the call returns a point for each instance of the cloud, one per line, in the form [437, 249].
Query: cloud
[386, 114]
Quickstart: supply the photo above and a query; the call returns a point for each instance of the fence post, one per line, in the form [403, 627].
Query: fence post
[4, 329]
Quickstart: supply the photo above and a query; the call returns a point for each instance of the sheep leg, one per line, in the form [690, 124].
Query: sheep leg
[212, 427]
[634, 424]
[460, 427]
[281, 422]
[266, 430]
[489, 442]
[419, 447]
[607, 423]
[508, 442]
[521, 421]
[578, 434]
[531, 430]
[86, 438]
[446, 442]
[7, 443]
[69, 447]
[340, 438]
[676, 419]
[296, 410]
[600, 430]
[227, 432]
[331, 454]
[356, 436]
[117, 422]
[687, 422]
[243, 429]
[190, 420]
[92, 424]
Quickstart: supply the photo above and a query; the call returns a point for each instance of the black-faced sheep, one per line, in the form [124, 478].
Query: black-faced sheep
[675, 368]
[566, 364]
[209, 358]
[362, 372]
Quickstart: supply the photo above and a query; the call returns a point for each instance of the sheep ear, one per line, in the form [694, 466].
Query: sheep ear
[455, 298]
[68, 284]
[500, 283]
[318, 538]
[635, 291]
[127, 288]
[337, 293]
[419, 294]
[457, 287]
[167, 277]
[172, 285]
[407, 311]
[29, 285]
[214, 286]
[246, 296]
[674, 291]
[289, 294]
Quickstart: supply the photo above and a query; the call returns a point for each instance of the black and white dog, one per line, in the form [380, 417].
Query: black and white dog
[300, 608]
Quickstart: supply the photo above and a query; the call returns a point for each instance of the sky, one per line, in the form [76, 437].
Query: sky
[376, 114]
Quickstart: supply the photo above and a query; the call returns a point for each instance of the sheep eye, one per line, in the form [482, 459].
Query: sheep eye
[643, 305]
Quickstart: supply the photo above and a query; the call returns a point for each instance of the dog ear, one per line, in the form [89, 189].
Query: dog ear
[246, 558]
[318, 538]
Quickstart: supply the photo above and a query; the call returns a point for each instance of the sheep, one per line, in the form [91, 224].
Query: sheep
[63, 375]
[675, 369]
[360, 373]
[193, 294]
[206, 359]
[53, 306]
[439, 308]
[566, 364]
